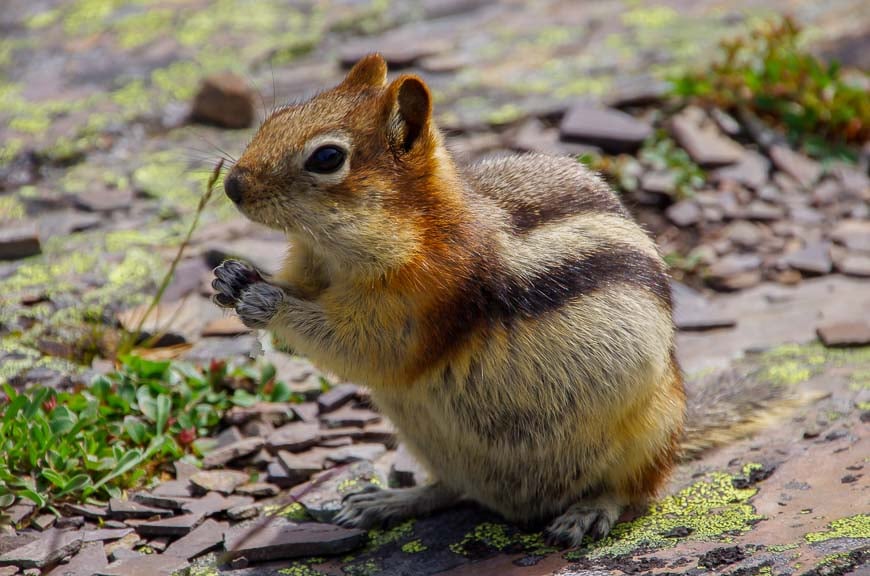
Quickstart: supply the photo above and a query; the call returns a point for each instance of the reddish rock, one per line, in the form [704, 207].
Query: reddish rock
[174, 526]
[854, 265]
[853, 234]
[814, 259]
[735, 272]
[406, 470]
[225, 100]
[276, 413]
[841, 334]
[51, 547]
[752, 171]
[125, 509]
[684, 213]
[148, 565]
[104, 199]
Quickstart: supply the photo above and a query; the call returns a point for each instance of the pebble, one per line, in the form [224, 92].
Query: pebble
[300, 467]
[684, 213]
[611, 130]
[306, 411]
[244, 511]
[735, 272]
[841, 334]
[355, 452]
[703, 141]
[214, 503]
[224, 481]
[222, 456]
[751, 171]
[853, 234]
[276, 413]
[814, 259]
[854, 265]
[225, 100]
[19, 240]
[293, 541]
[295, 437]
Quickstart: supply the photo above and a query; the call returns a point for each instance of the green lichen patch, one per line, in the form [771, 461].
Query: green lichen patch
[501, 538]
[414, 547]
[857, 526]
[379, 538]
[712, 510]
[364, 568]
[299, 569]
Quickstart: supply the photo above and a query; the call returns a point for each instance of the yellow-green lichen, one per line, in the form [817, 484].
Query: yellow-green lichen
[500, 537]
[11, 209]
[365, 568]
[295, 512]
[712, 509]
[414, 547]
[857, 526]
[781, 547]
[378, 537]
[299, 569]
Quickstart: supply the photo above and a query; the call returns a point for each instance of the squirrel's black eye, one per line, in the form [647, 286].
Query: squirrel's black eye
[325, 160]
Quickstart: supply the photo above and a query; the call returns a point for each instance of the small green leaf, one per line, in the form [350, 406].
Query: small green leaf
[6, 500]
[62, 420]
[75, 484]
[33, 497]
[57, 479]
[145, 368]
[162, 410]
[135, 429]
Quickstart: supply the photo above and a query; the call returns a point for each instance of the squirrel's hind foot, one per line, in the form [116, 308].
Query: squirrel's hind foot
[377, 507]
[593, 517]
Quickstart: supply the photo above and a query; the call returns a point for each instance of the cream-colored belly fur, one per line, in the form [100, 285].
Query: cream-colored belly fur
[528, 419]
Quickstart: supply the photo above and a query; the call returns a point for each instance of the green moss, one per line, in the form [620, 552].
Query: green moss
[43, 19]
[414, 547]
[712, 509]
[365, 568]
[650, 17]
[857, 526]
[781, 547]
[295, 512]
[139, 29]
[30, 124]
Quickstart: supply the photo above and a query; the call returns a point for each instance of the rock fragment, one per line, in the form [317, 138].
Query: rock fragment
[842, 334]
[51, 547]
[336, 397]
[294, 437]
[611, 130]
[19, 240]
[703, 141]
[292, 541]
[226, 454]
[225, 100]
[204, 538]
[224, 481]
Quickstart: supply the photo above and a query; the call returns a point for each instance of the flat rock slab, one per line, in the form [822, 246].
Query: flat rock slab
[90, 560]
[611, 130]
[52, 546]
[126, 509]
[336, 397]
[214, 503]
[148, 565]
[224, 481]
[174, 526]
[105, 534]
[226, 454]
[204, 538]
[295, 437]
[350, 417]
[292, 541]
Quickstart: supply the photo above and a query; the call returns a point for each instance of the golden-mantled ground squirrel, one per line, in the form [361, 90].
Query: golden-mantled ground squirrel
[510, 317]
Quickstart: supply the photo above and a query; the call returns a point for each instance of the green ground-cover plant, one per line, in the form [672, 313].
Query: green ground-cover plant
[118, 432]
[769, 74]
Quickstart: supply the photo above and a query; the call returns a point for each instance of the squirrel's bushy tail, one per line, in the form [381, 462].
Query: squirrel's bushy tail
[725, 405]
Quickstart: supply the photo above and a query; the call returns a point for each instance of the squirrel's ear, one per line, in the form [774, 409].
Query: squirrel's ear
[369, 72]
[410, 107]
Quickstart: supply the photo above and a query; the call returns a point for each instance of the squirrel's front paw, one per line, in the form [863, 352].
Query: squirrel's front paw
[238, 285]
[232, 277]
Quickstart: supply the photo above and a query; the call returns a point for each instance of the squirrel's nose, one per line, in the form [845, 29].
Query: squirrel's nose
[233, 187]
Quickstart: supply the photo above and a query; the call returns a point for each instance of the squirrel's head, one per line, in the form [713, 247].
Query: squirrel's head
[352, 172]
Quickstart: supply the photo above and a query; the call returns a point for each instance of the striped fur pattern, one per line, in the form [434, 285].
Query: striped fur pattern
[510, 318]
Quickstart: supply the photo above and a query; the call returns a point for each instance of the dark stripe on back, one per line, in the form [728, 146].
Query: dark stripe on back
[553, 288]
[525, 217]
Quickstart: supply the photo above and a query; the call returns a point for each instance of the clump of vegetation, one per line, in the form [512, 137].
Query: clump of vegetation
[769, 74]
[117, 433]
